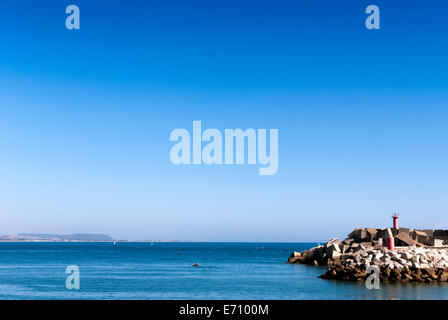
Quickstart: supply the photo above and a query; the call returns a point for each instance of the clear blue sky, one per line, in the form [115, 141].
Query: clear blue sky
[85, 117]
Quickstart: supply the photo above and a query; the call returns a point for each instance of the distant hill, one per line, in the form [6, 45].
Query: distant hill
[76, 236]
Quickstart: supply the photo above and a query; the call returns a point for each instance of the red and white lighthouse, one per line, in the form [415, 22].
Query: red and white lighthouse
[395, 217]
[391, 240]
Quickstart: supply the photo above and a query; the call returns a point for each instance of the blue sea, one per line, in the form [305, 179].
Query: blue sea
[165, 271]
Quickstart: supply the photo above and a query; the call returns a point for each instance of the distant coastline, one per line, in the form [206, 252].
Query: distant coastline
[117, 241]
[77, 237]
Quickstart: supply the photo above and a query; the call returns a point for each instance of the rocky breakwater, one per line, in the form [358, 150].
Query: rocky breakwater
[420, 255]
[400, 265]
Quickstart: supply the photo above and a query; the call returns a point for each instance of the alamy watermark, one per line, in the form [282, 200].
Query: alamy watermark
[373, 280]
[72, 22]
[373, 20]
[228, 150]
[73, 280]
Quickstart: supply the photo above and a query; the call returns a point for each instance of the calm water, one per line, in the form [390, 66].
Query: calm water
[164, 271]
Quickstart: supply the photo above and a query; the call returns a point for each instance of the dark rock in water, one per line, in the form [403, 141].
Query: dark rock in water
[195, 265]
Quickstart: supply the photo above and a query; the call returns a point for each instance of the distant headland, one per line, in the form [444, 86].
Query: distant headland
[77, 237]
[56, 237]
